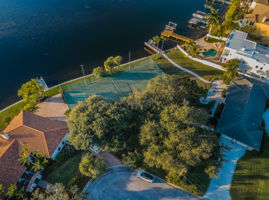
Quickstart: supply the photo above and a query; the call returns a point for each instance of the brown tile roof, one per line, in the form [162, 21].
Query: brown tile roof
[41, 134]
[10, 168]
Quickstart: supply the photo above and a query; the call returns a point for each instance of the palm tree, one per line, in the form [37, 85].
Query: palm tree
[231, 70]
[213, 19]
[163, 39]
[156, 39]
[37, 165]
[24, 156]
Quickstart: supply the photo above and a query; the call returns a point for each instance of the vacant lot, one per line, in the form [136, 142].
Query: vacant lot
[64, 171]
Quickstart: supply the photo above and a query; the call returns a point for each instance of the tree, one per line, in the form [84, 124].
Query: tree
[117, 60]
[177, 142]
[31, 93]
[109, 64]
[163, 39]
[37, 165]
[164, 90]
[1, 190]
[133, 159]
[11, 192]
[192, 48]
[24, 155]
[106, 124]
[156, 39]
[39, 161]
[92, 166]
[58, 192]
[98, 71]
[213, 19]
[231, 70]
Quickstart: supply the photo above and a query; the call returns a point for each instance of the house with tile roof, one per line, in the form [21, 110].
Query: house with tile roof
[39, 133]
[242, 115]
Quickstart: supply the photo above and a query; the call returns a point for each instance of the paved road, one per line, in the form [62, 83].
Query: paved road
[122, 184]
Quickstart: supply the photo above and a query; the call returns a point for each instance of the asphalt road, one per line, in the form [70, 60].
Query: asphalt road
[122, 184]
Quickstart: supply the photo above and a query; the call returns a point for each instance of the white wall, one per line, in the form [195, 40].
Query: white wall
[201, 61]
[60, 147]
[250, 64]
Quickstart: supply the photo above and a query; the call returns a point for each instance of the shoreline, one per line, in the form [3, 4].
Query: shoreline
[75, 79]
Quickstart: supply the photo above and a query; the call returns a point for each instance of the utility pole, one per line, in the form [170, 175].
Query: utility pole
[83, 73]
[129, 60]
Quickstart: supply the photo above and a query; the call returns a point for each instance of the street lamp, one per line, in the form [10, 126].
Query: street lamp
[83, 73]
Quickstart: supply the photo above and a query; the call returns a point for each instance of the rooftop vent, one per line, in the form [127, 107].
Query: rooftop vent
[5, 136]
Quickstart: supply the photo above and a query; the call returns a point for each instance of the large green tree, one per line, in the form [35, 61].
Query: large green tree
[100, 122]
[159, 127]
[92, 166]
[164, 90]
[177, 141]
[112, 62]
[31, 93]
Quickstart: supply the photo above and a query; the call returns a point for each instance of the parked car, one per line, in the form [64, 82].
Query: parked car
[145, 176]
[95, 149]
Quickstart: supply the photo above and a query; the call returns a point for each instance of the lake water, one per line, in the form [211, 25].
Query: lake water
[51, 38]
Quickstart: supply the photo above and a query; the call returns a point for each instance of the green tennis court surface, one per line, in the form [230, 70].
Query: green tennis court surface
[114, 87]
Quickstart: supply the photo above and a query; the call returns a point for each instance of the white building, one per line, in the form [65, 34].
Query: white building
[254, 58]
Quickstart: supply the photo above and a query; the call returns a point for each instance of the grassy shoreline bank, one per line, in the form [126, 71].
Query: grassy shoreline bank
[11, 111]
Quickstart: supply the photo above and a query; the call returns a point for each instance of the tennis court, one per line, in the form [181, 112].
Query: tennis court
[114, 87]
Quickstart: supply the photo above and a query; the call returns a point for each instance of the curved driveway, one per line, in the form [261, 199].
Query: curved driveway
[122, 184]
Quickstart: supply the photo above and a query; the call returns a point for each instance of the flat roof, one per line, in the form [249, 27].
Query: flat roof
[239, 42]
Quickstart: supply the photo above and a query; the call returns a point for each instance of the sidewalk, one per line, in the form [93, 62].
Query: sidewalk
[219, 188]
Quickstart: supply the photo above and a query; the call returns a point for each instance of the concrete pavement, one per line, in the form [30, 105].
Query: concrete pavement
[120, 183]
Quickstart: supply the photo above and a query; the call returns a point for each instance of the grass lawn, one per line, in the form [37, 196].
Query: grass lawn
[64, 171]
[8, 114]
[251, 178]
[205, 71]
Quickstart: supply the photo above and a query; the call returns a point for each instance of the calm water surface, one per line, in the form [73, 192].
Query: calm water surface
[51, 38]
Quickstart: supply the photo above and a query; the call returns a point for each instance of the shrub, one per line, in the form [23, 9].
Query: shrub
[92, 166]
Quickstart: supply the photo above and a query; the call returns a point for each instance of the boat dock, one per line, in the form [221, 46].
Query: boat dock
[198, 20]
[171, 35]
[221, 2]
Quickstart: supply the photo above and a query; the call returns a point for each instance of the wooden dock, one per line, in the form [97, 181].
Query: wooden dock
[171, 35]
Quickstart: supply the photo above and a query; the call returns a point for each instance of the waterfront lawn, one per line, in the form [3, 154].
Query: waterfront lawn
[251, 178]
[205, 71]
[64, 171]
[8, 114]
